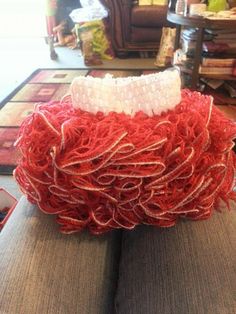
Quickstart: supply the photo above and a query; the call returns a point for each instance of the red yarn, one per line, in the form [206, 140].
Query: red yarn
[116, 171]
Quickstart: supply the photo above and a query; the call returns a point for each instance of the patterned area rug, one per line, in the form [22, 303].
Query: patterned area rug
[42, 86]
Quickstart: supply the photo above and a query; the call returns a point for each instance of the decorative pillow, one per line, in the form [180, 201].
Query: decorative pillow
[104, 170]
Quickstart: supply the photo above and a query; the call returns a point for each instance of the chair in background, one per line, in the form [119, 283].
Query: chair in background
[135, 28]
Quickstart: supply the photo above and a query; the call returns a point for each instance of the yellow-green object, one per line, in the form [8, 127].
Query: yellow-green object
[145, 2]
[50, 7]
[99, 41]
[217, 5]
[159, 2]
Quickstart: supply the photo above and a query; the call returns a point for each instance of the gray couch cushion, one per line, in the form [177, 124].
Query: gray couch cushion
[189, 268]
[43, 271]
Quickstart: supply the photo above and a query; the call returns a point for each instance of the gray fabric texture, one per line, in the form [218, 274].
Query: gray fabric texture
[43, 271]
[186, 269]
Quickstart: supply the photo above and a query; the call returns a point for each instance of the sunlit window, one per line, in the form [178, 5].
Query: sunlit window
[22, 18]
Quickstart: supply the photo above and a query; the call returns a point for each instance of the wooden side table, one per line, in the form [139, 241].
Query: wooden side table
[200, 24]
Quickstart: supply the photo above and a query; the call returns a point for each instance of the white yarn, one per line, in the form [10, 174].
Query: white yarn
[152, 93]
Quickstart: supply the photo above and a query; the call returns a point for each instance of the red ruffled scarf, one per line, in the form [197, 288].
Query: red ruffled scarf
[115, 171]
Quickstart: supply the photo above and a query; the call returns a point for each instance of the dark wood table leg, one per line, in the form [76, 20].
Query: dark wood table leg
[197, 58]
[53, 54]
[177, 37]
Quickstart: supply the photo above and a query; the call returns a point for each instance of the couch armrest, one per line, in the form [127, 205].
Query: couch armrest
[119, 20]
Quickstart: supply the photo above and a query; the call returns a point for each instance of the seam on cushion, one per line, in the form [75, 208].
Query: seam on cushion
[116, 311]
[114, 250]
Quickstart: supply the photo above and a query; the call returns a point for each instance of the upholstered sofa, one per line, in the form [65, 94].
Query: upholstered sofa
[189, 268]
[133, 27]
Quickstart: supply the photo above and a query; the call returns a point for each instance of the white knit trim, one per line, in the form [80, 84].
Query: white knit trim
[152, 93]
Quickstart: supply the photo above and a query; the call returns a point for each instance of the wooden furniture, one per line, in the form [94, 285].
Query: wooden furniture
[200, 24]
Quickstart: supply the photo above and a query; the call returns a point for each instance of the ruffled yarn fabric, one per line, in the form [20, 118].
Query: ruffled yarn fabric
[108, 171]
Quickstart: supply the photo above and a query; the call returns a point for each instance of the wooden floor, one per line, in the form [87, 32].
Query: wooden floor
[229, 111]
